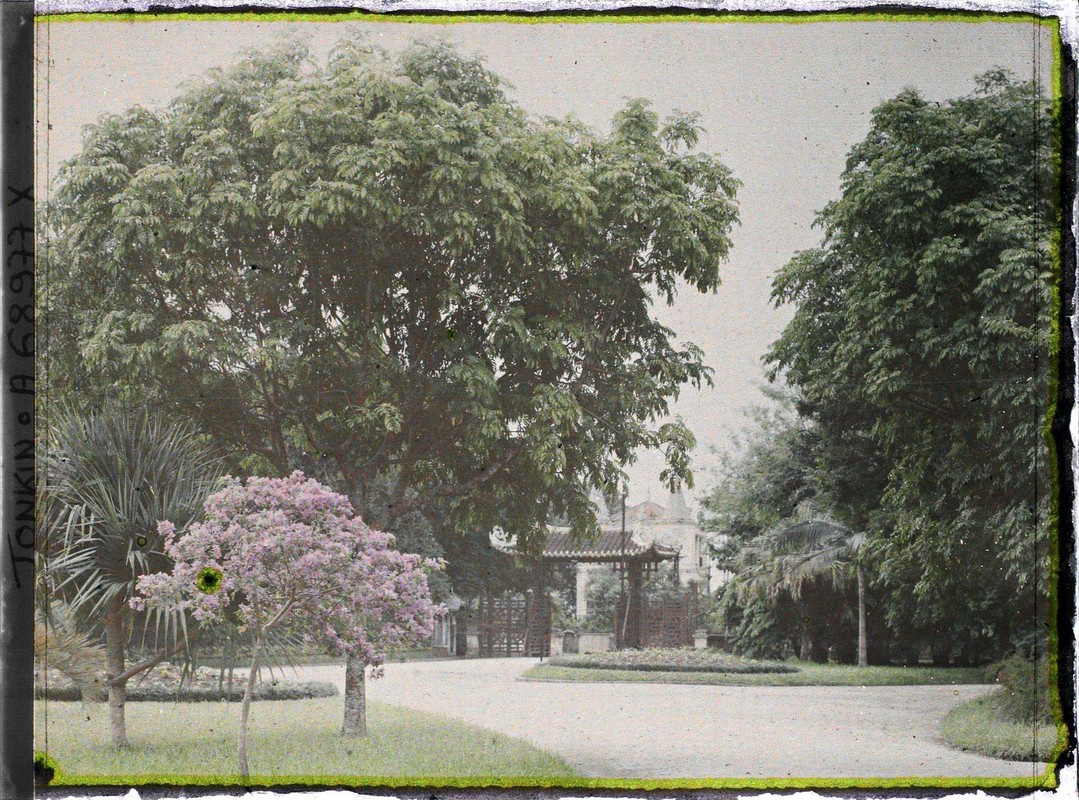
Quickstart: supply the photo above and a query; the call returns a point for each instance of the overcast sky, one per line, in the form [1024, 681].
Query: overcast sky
[782, 104]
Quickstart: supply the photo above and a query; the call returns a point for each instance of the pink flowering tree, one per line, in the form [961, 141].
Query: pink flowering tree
[289, 553]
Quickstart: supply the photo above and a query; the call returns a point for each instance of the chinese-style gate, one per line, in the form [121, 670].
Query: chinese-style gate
[519, 624]
[637, 624]
[667, 622]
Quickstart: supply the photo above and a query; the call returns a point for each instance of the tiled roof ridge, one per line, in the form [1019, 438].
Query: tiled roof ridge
[561, 544]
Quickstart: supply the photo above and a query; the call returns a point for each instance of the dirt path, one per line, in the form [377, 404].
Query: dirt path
[639, 730]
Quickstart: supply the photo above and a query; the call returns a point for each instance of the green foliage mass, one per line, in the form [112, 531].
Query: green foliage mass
[1024, 689]
[110, 478]
[382, 270]
[762, 480]
[921, 346]
[919, 356]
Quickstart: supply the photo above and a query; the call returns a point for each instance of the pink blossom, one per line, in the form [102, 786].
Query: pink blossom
[293, 554]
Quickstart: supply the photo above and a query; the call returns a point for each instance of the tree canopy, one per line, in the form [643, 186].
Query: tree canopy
[921, 346]
[382, 270]
[917, 364]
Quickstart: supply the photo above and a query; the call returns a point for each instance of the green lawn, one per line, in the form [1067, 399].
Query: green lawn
[287, 738]
[982, 726]
[808, 675]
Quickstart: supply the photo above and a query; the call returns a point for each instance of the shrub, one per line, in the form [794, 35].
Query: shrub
[1024, 689]
[196, 694]
[169, 683]
[671, 660]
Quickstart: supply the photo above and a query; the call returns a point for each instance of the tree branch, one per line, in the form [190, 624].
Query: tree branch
[142, 666]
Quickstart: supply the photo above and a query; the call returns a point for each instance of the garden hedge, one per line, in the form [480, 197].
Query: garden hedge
[656, 660]
[196, 694]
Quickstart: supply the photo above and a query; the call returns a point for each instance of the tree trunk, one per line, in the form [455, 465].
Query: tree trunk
[863, 648]
[232, 664]
[246, 709]
[355, 698]
[805, 650]
[114, 656]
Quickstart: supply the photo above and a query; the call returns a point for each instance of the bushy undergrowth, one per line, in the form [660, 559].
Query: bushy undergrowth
[671, 660]
[1024, 689]
[168, 683]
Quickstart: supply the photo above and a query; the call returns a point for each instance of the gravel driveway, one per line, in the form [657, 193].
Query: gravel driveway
[640, 730]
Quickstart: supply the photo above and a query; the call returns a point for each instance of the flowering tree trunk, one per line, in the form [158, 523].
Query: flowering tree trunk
[355, 698]
[246, 709]
[863, 649]
[114, 656]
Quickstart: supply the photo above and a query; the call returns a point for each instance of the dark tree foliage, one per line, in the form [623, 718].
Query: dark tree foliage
[382, 270]
[766, 482]
[921, 347]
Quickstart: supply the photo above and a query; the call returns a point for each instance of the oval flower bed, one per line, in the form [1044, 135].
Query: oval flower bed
[163, 684]
[671, 660]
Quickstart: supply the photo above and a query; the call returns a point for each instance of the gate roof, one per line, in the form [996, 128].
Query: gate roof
[608, 547]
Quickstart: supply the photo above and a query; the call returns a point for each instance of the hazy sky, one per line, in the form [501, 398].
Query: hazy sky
[782, 104]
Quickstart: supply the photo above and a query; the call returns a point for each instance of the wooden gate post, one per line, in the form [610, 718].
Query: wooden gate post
[634, 617]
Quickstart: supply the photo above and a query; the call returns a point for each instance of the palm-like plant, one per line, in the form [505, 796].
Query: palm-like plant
[71, 653]
[111, 476]
[793, 557]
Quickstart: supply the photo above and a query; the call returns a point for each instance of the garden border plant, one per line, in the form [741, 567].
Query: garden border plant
[290, 690]
[670, 660]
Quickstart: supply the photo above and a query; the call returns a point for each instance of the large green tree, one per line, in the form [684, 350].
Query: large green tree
[921, 346]
[382, 270]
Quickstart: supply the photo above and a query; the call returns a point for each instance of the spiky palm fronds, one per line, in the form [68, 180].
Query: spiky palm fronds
[817, 548]
[791, 557]
[71, 653]
[111, 476]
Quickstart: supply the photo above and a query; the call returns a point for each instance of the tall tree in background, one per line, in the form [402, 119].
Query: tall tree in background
[383, 271]
[770, 519]
[920, 345]
[764, 478]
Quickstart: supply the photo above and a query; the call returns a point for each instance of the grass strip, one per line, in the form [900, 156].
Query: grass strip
[671, 661]
[983, 726]
[807, 675]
